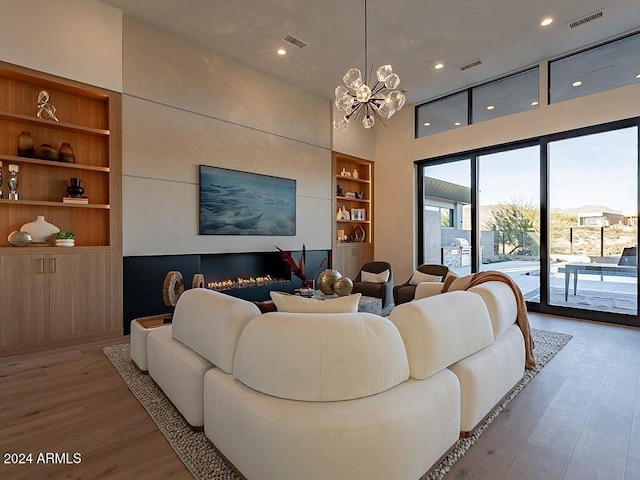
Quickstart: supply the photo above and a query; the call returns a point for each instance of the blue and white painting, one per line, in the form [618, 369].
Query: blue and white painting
[243, 203]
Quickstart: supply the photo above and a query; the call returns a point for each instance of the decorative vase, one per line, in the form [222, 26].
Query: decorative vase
[40, 230]
[327, 280]
[65, 153]
[46, 152]
[25, 144]
[19, 239]
[75, 187]
[343, 286]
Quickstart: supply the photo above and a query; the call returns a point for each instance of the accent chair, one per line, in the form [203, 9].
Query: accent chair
[376, 288]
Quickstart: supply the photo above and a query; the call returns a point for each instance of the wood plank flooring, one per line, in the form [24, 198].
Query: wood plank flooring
[578, 419]
[72, 400]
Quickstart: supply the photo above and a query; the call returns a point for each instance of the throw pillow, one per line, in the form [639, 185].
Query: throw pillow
[419, 277]
[381, 277]
[458, 283]
[285, 302]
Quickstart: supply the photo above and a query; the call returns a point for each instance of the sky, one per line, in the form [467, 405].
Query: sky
[599, 169]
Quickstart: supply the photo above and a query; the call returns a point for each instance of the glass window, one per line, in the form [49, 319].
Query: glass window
[447, 188]
[512, 94]
[446, 217]
[442, 115]
[595, 70]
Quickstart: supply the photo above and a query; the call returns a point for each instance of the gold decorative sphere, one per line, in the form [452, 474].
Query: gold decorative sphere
[327, 279]
[343, 286]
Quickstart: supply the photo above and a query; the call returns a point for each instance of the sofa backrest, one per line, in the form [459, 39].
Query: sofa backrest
[320, 357]
[210, 323]
[439, 331]
[501, 305]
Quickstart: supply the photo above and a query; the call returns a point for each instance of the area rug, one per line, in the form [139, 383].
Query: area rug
[204, 462]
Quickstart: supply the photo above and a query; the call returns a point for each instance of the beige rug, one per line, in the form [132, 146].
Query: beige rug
[205, 464]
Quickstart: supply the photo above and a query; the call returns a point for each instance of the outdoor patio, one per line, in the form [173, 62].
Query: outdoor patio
[606, 293]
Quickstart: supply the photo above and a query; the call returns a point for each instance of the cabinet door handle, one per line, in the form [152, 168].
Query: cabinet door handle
[52, 265]
[41, 260]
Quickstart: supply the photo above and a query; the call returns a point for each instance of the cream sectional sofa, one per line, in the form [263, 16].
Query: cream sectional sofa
[329, 395]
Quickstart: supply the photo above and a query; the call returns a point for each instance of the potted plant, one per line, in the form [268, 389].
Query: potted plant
[64, 238]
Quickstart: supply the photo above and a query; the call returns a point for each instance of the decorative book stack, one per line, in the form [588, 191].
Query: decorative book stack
[80, 200]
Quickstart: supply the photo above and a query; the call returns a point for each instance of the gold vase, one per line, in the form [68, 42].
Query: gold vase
[343, 286]
[327, 279]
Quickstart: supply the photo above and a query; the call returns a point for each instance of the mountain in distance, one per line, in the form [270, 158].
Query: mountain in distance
[586, 209]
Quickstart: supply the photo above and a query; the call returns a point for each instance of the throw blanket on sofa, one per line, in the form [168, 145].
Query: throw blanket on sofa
[522, 317]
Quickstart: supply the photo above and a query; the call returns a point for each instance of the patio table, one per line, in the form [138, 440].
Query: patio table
[592, 268]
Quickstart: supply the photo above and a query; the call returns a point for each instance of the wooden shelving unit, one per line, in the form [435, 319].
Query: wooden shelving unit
[353, 178]
[53, 293]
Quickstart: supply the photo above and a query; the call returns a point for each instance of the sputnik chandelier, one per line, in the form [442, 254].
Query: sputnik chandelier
[357, 100]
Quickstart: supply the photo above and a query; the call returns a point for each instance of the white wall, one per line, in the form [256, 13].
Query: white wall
[76, 39]
[397, 150]
[184, 106]
[356, 140]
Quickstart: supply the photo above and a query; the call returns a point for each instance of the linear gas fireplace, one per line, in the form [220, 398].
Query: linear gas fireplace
[239, 282]
[247, 275]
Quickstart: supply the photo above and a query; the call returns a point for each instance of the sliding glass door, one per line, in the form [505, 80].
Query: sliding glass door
[593, 223]
[558, 214]
[509, 216]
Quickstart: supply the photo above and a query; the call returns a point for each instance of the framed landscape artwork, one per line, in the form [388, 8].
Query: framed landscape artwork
[242, 203]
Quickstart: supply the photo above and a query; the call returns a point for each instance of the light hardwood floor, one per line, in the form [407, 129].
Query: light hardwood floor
[578, 419]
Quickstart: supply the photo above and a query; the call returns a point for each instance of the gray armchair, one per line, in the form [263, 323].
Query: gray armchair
[405, 292]
[378, 290]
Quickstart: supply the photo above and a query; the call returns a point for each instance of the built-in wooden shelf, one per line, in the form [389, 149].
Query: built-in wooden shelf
[43, 203]
[68, 127]
[52, 163]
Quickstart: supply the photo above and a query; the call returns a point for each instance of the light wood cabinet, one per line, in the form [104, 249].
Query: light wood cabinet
[348, 259]
[52, 292]
[79, 299]
[47, 295]
[353, 211]
[24, 299]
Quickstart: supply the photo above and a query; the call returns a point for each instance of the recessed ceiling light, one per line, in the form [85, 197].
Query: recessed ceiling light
[438, 65]
[490, 107]
[534, 103]
[638, 75]
[281, 51]
[546, 22]
[457, 124]
[577, 83]
[426, 124]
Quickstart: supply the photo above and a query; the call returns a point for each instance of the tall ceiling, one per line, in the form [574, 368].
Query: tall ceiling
[411, 35]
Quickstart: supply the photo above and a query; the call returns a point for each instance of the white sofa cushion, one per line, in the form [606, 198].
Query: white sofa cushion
[179, 372]
[320, 357]
[427, 289]
[501, 304]
[440, 330]
[210, 323]
[285, 302]
[398, 434]
[488, 375]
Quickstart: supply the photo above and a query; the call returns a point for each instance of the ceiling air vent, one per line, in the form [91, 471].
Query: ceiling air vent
[294, 41]
[469, 65]
[586, 19]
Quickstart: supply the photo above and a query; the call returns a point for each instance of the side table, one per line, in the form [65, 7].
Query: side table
[140, 328]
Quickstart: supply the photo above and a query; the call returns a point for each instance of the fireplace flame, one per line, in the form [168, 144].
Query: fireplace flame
[240, 282]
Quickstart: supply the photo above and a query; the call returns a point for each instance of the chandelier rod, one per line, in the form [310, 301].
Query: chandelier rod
[364, 71]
